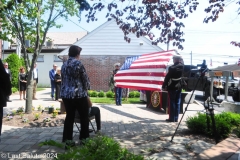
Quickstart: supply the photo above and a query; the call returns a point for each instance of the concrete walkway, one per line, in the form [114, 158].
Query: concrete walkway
[134, 126]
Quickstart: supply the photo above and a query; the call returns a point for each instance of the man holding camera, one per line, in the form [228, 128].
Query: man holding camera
[172, 83]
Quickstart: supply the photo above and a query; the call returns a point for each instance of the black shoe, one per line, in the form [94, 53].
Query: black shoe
[168, 120]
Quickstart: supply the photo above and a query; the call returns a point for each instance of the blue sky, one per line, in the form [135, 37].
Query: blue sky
[205, 41]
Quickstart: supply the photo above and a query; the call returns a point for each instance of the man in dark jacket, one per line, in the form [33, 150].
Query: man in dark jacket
[9, 75]
[5, 91]
[172, 83]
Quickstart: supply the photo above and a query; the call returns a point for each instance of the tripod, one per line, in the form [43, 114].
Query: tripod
[209, 112]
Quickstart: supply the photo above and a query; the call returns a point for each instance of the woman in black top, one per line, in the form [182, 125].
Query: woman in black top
[58, 80]
[22, 83]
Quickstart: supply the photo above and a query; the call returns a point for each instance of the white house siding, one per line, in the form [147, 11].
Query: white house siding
[108, 39]
[45, 67]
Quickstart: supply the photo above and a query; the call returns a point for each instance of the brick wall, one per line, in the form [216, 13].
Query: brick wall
[99, 68]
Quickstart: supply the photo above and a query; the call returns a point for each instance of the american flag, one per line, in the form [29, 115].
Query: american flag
[239, 62]
[145, 72]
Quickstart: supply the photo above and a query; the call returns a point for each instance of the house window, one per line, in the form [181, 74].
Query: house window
[56, 59]
[40, 58]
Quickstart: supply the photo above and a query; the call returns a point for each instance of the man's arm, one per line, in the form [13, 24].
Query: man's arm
[167, 78]
[51, 75]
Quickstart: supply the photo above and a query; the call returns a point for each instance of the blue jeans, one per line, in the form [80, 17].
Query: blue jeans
[118, 95]
[175, 101]
[52, 88]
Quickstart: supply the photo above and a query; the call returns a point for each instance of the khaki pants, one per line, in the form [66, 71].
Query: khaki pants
[34, 88]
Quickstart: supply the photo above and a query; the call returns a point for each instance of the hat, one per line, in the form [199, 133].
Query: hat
[116, 64]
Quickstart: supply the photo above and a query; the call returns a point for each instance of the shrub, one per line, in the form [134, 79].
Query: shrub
[14, 90]
[224, 122]
[197, 124]
[110, 94]
[14, 63]
[94, 94]
[90, 93]
[131, 94]
[98, 147]
[136, 94]
[101, 94]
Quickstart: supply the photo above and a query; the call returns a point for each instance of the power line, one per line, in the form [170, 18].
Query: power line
[77, 25]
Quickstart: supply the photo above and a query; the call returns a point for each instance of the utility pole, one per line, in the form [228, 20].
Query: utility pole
[191, 58]
[167, 45]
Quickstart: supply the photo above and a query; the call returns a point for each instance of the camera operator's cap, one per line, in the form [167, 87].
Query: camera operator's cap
[117, 64]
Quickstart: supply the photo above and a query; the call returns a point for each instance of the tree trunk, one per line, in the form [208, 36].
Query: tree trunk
[29, 96]
[28, 108]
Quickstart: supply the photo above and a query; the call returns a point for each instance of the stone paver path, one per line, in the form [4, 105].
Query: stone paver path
[139, 129]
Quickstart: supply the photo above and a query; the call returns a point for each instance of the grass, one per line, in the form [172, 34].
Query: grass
[112, 100]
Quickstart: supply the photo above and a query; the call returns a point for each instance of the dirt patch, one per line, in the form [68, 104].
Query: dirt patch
[30, 120]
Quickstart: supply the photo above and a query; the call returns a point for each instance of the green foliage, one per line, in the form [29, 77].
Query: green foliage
[110, 94]
[14, 112]
[131, 94]
[14, 63]
[136, 94]
[51, 143]
[37, 115]
[197, 124]
[14, 90]
[225, 122]
[237, 130]
[92, 93]
[98, 147]
[101, 94]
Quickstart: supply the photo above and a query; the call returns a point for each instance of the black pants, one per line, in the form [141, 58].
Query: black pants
[95, 111]
[57, 91]
[1, 117]
[71, 105]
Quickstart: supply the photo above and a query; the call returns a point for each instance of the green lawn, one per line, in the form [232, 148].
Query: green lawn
[112, 100]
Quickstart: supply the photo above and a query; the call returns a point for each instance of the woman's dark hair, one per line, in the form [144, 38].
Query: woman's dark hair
[74, 51]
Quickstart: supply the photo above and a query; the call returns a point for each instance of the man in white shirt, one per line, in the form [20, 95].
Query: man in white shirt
[35, 81]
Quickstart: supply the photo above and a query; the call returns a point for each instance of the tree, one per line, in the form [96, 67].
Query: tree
[31, 20]
[141, 17]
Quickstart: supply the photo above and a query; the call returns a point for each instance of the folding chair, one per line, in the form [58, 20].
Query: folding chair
[77, 120]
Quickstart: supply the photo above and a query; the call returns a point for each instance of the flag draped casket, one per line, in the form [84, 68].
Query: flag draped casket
[145, 72]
